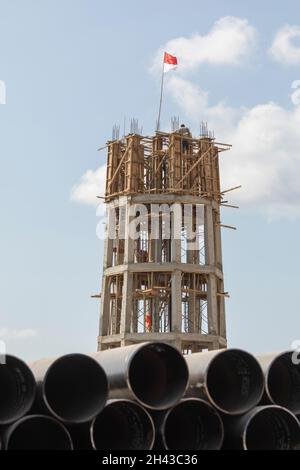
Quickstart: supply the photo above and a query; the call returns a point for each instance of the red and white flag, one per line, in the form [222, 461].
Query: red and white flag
[170, 62]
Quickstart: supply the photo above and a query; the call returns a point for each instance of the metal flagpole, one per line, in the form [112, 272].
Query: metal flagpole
[161, 94]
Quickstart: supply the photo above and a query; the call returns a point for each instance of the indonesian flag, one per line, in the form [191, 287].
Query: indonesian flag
[170, 62]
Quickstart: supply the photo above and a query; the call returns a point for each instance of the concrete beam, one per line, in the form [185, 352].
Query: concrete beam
[164, 267]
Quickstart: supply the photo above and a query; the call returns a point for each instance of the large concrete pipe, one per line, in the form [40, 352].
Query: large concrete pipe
[17, 389]
[73, 388]
[282, 379]
[263, 428]
[231, 379]
[192, 424]
[122, 425]
[36, 432]
[154, 374]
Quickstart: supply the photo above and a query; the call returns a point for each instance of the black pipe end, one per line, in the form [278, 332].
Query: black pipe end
[192, 424]
[75, 388]
[158, 375]
[283, 381]
[38, 432]
[18, 388]
[235, 381]
[272, 428]
[122, 425]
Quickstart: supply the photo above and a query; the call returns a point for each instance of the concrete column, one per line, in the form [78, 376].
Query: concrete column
[212, 304]
[126, 311]
[176, 301]
[218, 239]
[209, 235]
[176, 222]
[222, 320]
[108, 242]
[129, 241]
[104, 307]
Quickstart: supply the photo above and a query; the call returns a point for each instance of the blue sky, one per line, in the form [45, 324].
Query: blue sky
[74, 68]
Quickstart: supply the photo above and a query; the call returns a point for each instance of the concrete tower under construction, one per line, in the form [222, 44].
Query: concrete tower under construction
[162, 274]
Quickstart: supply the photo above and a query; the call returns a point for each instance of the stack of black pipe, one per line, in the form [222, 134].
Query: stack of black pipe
[149, 396]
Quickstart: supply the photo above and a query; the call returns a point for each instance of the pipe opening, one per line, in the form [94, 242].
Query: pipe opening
[75, 388]
[122, 425]
[235, 381]
[272, 428]
[193, 425]
[158, 375]
[38, 433]
[17, 390]
[283, 382]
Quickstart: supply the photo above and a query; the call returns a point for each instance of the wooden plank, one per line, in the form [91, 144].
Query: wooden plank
[194, 166]
[118, 168]
[227, 226]
[231, 189]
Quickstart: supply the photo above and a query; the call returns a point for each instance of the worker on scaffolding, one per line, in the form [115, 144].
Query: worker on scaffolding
[186, 135]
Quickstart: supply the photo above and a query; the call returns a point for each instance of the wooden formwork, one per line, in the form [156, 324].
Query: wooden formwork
[158, 164]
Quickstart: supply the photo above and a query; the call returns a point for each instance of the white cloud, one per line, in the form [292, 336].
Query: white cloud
[265, 157]
[8, 334]
[91, 185]
[227, 43]
[284, 49]
[195, 103]
[295, 96]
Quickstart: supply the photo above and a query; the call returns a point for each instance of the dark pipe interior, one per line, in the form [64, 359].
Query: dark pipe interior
[273, 429]
[193, 425]
[39, 433]
[158, 375]
[17, 389]
[122, 426]
[235, 381]
[75, 388]
[284, 382]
